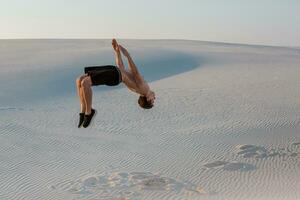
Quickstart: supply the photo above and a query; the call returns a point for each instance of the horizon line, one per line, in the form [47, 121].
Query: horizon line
[177, 39]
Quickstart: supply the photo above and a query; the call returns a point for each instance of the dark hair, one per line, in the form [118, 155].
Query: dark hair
[144, 103]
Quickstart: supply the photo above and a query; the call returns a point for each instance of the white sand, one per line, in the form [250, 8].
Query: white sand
[225, 124]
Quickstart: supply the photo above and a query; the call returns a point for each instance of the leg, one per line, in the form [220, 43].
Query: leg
[86, 85]
[80, 93]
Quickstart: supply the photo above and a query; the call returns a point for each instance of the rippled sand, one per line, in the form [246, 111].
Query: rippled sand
[225, 124]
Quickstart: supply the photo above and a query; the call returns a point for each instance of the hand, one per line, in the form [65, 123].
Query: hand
[115, 45]
[124, 51]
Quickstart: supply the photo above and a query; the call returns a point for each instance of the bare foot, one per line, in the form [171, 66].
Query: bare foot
[115, 45]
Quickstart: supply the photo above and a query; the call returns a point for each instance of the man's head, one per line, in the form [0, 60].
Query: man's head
[147, 101]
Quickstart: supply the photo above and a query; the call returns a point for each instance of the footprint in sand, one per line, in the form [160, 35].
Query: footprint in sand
[249, 151]
[253, 151]
[230, 166]
[243, 167]
[215, 164]
[125, 185]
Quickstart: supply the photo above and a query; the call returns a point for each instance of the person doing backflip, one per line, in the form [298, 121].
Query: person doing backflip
[111, 75]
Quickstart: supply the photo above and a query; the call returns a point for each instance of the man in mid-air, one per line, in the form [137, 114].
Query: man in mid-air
[111, 75]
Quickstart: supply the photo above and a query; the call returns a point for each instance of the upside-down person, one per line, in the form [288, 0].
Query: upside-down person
[111, 76]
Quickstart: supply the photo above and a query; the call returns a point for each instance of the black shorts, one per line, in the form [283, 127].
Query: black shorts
[104, 75]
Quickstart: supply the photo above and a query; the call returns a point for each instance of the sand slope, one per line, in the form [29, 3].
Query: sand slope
[225, 124]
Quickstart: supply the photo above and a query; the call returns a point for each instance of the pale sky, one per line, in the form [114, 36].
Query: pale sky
[270, 22]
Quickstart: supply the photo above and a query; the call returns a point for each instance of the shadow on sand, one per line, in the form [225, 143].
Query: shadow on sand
[33, 85]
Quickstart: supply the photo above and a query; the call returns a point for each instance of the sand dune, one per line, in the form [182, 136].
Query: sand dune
[225, 124]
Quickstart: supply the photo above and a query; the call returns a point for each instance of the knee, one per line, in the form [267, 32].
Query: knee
[79, 80]
[86, 82]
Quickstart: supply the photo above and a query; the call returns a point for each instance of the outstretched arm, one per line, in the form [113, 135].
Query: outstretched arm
[118, 56]
[131, 64]
[119, 61]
